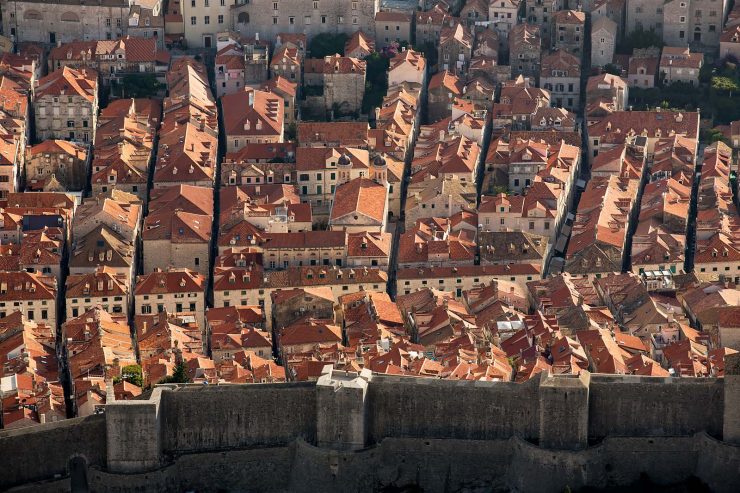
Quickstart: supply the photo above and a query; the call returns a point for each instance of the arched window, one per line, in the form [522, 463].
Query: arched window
[70, 17]
[243, 18]
[33, 15]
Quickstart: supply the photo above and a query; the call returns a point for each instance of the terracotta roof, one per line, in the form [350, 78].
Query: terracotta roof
[27, 286]
[458, 33]
[171, 281]
[368, 244]
[318, 158]
[559, 61]
[522, 35]
[252, 112]
[680, 57]
[569, 17]
[359, 44]
[334, 64]
[350, 134]
[103, 282]
[470, 271]
[360, 196]
[448, 80]
[385, 16]
[69, 81]
[408, 56]
[281, 86]
[312, 332]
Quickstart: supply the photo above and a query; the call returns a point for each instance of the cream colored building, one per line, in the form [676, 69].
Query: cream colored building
[162, 253]
[317, 175]
[392, 27]
[252, 287]
[66, 105]
[203, 20]
[407, 66]
[64, 21]
[103, 287]
[463, 278]
[33, 294]
[176, 291]
[311, 17]
[603, 41]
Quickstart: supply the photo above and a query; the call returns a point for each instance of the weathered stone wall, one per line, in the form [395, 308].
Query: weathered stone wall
[428, 408]
[366, 433]
[43, 451]
[223, 417]
[644, 406]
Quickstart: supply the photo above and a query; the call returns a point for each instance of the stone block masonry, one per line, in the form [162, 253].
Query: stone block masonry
[364, 432]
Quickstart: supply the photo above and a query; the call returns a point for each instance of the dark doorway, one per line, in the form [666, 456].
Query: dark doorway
[78, 475]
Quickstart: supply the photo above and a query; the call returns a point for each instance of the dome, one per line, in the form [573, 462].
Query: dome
[379, 161]
[344, 160]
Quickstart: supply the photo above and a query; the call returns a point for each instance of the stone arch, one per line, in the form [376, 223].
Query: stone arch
[77, 466]
[243, 18]
[32, 15]
[70, 17]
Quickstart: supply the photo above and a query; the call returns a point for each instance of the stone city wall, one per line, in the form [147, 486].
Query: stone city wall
[372, 432]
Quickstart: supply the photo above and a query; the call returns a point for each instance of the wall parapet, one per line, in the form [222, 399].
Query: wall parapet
[347, 411]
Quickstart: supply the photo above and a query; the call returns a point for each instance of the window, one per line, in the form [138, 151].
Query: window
[197, 261]
[193, 21]
[307, 20]
[220, 19]
[206, 3]
[274, 5]
[207, 20]
[107, 22]
[274, 20]
[291, 20]
[315, 5]
[118, 22]
[323, 19]
[192, 3]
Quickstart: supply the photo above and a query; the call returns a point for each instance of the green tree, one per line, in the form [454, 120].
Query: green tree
[131, 374]
[291, 131]
[640, 38]
[139, 86]
[326, 44]
[724, 84]
[179, 375]
[376, 81]
[610, 68]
